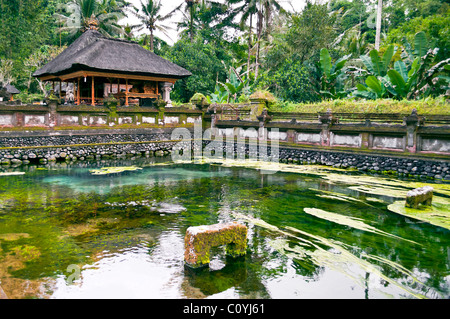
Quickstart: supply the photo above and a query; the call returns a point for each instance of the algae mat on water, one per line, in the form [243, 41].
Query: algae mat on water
[312, 234]
[113, 170]
[437, 214]
[353, 222]
[333, 254]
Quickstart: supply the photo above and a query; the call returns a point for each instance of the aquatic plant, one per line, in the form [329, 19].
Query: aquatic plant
[114, 170]
[353, 222]
[303, 221]
[332, 254]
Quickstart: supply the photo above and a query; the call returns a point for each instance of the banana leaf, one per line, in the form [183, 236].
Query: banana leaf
[420, 44]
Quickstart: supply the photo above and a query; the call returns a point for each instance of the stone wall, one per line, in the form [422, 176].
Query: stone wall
[403, 167]
[41, 147]
[25, 156]
[75, 137]
[374, 164]
[424, 136]
[20, 148]
[52, 115]
[405, 145]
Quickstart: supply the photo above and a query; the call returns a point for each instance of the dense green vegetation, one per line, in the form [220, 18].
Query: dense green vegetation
[237, 47]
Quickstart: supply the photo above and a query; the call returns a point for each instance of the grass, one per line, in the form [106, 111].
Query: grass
[427, 106]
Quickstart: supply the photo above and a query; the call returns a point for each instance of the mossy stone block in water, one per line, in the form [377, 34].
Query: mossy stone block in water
[422, 195]
[200, 239]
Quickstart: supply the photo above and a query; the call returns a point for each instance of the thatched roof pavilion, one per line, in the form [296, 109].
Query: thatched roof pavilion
[9, 91]
[98, 66]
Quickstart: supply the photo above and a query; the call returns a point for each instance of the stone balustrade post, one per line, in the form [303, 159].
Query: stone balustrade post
[412, 123]
[327, 120]
[263, 119]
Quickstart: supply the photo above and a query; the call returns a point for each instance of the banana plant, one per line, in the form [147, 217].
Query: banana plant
[333, 75]
[401, 81]
[421, 79]
[219, 96]
[417, 75]
[374, 89]
[376, 65]
[235, 86]
[446, 78]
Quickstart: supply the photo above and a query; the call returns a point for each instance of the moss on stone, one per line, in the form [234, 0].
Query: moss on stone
[199, 240]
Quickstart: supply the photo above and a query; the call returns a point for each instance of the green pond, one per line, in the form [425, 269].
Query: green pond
[67, 231]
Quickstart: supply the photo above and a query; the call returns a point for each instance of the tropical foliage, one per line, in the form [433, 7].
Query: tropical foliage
[150, 17]
[76, 16]
[319, 52]
[417, 75]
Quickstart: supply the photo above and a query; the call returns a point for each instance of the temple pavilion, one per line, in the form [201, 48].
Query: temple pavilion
[95, 66]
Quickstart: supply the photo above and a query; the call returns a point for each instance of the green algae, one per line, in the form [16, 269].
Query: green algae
[68, 225]
[339, 196]
[349, 221]
[113, 170]
[437, 214]
[338, 258]
[13, 236]
[11, 173]
[334, 255]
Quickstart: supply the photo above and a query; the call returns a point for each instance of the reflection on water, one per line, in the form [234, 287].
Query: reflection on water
[130, 273]
[65, 233]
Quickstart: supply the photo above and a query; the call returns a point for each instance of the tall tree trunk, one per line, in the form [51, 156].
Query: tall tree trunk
[378, 32]
[191, 22]
[258, 43]
[249, 46]
[151, 40]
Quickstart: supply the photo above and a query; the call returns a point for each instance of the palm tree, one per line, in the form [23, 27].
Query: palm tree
[150, 19]
[200, 14]
[80, 15]
[264, 11]
[247, 9]
[190, 7]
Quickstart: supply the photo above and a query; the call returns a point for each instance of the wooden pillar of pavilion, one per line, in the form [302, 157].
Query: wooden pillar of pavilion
[93, 92]
[110, 85]
[126, 92]
[78, 92]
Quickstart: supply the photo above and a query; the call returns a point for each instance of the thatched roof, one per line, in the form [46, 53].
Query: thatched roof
[11, 89]
[95, 52]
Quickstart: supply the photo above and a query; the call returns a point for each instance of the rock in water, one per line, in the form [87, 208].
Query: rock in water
[422, 195]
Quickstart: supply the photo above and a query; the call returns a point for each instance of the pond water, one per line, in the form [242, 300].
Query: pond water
[312, 233]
